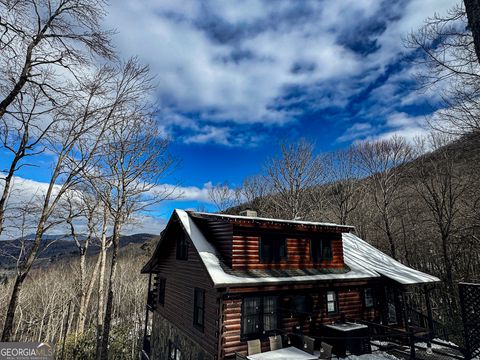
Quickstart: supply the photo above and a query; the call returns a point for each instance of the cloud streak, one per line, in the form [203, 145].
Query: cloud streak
[27, 191]
[223, 65]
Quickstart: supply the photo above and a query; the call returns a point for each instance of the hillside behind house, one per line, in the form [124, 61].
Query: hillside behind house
[435, 187]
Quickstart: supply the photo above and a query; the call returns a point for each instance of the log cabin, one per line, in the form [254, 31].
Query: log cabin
[217, 281]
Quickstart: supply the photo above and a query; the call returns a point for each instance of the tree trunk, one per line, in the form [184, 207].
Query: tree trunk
[6, 191]
[393, 249]
[101, 285]
[12, 306]
[472, 8]
[87, 295]
[82, 306]
[109, 305]
[20, 278]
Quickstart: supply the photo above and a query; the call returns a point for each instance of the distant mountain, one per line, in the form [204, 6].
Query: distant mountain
[56, 247]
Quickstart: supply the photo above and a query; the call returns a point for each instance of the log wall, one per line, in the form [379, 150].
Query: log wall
[246, 253]
[350, 304]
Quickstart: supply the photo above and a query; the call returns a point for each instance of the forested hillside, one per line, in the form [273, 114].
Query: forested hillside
[417, 202]
[49, 307]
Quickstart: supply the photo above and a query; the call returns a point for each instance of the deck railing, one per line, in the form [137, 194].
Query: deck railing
[151, 300]
[146, 348]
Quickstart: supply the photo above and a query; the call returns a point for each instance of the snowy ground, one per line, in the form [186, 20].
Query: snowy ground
[436, 346]
[374, 356]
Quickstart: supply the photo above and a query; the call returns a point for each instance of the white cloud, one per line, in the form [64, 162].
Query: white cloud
[27, 191]
[232, 62]
[396, 123]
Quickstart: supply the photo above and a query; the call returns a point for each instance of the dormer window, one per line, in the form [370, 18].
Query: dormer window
[272, 249]
[182, 247]
[321, 249]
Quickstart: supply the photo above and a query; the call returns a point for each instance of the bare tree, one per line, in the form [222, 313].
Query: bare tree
[82, 205]
[223, 197]
[441, 188]
[21, 133]
[343, 183]
[381, 161]
[291, 177]
[449, 68]
[38, 36]
[42, 44]
[74, 139]
[254, 191]
[129, 170]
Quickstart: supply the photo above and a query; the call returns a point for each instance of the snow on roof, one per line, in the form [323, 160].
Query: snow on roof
[255, 218]
[364, 261]
[357, 252]
[220, 278]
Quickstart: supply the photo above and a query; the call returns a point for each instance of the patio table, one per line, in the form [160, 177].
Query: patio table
[290, 353]
[348, 336]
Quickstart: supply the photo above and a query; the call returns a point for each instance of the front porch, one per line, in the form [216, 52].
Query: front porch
[343, 316]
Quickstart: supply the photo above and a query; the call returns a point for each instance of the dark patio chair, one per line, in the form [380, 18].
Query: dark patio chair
[325, 351]
[308, 344]
[240, 357]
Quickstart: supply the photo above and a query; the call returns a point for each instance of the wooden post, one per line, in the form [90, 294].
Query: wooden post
[429, 314]
[406, 320]
[412, 342]
[147, 310]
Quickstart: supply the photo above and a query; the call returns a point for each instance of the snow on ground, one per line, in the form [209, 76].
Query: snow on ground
[374, 356]
[437, 346]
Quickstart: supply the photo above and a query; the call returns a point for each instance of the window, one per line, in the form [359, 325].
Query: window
[182, 248]
[269, 313]
[251, 316]
[301, 305]
[321, 249]
[368, 298]
[199, 308]
[327, 249]
[332, 303]
[272, 249]
[161, 290]
[259, 315]
[174, 352]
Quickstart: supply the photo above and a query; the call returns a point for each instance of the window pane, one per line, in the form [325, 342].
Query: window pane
[282, 249]
[327, 249]
[331, 307]
[368, 296]
[270, 322]
[182, 247]
[316, 248]
[266, 251]
[269, 304]
[251, 315]
[331, 302]
[272, 249]
[269, 313]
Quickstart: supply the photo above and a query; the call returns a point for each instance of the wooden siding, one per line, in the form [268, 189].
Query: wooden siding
[219, 234]
[181, 279]
[350, 304]
[246, 252]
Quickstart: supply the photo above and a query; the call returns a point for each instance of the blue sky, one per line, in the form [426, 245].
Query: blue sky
[236, 77]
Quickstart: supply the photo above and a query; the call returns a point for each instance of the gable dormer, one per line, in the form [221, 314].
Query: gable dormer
[246, 242]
